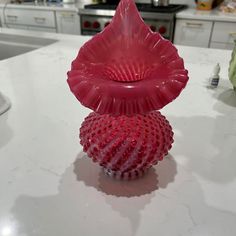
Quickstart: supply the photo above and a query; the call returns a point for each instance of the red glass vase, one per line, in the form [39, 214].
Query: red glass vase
[125, 74]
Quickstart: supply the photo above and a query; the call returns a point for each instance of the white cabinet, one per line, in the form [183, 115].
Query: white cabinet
[193, 32]
[68, 22]
[42, 20]
[32, 17]
[47, 20]
[210, 29]
[223, 35]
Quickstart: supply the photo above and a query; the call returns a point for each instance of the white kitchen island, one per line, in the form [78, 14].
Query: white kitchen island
[48, 187]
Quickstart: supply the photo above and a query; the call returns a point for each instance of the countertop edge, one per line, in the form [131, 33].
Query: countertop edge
[214, 15]
[51, 7]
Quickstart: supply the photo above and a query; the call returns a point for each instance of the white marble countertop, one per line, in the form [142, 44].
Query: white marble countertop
[214, 15]
[50, 188]
[45, 6]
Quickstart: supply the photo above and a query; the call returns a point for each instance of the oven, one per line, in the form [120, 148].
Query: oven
[95, 17]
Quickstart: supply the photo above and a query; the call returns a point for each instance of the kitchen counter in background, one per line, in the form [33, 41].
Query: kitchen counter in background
[213, 15]
[189, 13]
[192, 28]
[60, 18]
[49, 187]
[212, 29]
[42, 6]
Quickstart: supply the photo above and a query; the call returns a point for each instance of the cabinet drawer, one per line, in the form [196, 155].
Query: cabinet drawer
[224, 32]
[32, 17]
[193, 33]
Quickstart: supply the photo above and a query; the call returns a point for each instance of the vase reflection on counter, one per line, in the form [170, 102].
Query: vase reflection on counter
[125, 74]
[4, 104]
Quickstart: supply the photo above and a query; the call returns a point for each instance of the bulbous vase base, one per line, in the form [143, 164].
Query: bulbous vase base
[126, 146]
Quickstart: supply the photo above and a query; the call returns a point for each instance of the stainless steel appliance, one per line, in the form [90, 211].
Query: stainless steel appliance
[156, 3]
[95, 17]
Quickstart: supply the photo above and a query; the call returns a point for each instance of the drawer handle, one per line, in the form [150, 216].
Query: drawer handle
[39, 20]
[12, 17]
[191, 24]
[67, 15]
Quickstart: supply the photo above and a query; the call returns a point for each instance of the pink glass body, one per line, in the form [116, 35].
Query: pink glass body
[126, 73]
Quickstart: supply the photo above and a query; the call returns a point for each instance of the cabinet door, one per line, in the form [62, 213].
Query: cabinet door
[68, 22]
[193, 33]
[224, 32]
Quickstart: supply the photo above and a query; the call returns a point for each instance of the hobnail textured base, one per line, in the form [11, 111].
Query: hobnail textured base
[135, 174]
[126, 146]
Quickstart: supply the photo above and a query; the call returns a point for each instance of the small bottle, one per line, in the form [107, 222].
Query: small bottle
[215, 78]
